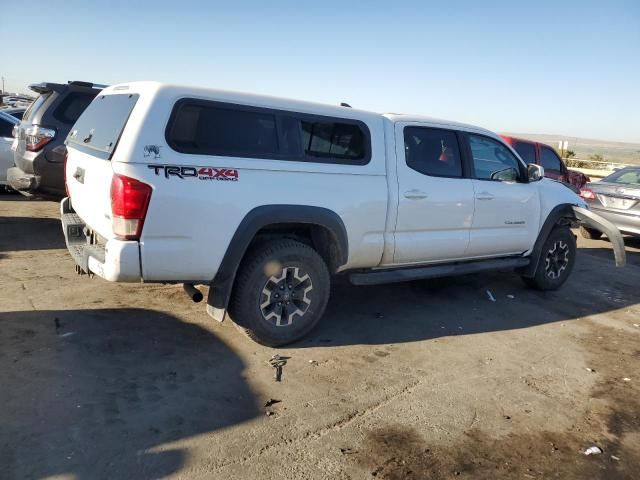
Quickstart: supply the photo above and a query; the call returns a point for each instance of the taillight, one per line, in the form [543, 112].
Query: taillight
[37, 137]
[66, 188]
[587, 194]
[129, 202]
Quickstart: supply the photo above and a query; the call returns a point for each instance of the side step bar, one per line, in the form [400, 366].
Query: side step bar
[377, 277]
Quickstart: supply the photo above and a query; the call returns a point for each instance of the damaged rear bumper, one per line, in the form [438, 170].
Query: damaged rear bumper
[593, 220]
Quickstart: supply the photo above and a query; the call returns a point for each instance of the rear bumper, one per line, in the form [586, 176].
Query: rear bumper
[116, 260]
[628, 223]
[21, 181]
[34, 175]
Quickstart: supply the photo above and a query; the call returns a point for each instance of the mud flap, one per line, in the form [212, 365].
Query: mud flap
[218, 314]
[587, 217]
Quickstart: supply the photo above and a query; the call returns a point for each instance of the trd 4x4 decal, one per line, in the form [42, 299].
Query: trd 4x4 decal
[202, 173]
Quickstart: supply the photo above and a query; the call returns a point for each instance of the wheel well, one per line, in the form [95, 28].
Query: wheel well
[318, 237]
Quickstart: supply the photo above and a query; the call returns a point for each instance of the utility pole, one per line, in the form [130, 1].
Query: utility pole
[3, 85]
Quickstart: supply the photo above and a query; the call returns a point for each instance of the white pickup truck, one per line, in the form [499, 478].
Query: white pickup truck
[263, 199]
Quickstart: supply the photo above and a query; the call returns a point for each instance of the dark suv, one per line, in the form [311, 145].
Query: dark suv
[39, 145]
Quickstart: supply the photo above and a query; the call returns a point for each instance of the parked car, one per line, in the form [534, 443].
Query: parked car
[545, 156]
[616, 198]
[7, 124]
[15, 100]
[38, 163]
[17, 112]
[263, 199]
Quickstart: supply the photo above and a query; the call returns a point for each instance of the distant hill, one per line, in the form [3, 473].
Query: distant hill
[620, 152]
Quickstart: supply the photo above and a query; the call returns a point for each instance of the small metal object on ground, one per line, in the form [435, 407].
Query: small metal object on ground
[277, 362]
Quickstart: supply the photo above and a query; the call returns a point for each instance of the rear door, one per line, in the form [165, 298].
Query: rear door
[507, 207]
[435, 201]
[91, 144]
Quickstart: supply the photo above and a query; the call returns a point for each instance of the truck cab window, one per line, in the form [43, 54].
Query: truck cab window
[527, 151]
[549, 160]
[492, 160]
[432, 151]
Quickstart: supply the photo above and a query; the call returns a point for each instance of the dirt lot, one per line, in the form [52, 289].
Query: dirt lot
[422, 380]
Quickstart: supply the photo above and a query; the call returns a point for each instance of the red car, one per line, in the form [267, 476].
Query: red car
[544, 155]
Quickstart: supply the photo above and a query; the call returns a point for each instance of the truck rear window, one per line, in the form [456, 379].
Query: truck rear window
[527, 151]
[99, 127]
[72, 106]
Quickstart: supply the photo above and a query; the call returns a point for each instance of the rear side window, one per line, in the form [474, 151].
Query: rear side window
[203, 129]
[99, 127]
[432, 151]
[549, 160]
[72, 106]
[35, 106]
[333, 140]
[527, 151]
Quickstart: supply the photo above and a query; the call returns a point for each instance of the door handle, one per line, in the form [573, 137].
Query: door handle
[415, 194]
[484, 196]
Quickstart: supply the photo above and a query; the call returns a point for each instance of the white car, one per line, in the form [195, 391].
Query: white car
[7, 122]
[263, 199]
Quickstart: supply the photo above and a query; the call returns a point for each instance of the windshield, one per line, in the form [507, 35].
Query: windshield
[626, 176]
[101, 124]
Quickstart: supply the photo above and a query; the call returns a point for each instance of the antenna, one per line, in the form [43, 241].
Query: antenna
[342, 104]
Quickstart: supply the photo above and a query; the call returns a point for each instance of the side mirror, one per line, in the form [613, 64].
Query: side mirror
[535, 172]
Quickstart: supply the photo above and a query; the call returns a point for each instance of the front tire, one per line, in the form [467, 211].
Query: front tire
[590, 233]
[556, 260]
[280, 293]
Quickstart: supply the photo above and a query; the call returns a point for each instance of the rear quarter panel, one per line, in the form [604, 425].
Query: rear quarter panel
[190, 221]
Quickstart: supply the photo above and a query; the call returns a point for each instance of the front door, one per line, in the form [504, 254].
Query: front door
[507, 207]
[436, 201]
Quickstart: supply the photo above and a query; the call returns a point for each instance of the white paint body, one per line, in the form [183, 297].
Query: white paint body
[190, 223]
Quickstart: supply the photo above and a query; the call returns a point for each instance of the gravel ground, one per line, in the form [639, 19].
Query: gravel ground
[425, 380]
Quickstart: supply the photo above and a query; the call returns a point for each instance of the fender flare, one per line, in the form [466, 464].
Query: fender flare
[564, 210]
[256, 219]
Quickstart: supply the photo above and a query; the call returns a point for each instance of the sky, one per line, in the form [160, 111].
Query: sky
[556, 67]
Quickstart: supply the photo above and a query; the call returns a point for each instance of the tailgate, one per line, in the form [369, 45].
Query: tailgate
[91, 144]
[89, 185]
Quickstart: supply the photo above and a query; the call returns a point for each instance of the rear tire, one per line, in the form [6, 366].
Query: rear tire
[556, 260]
[590, 233]
[280, 293]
